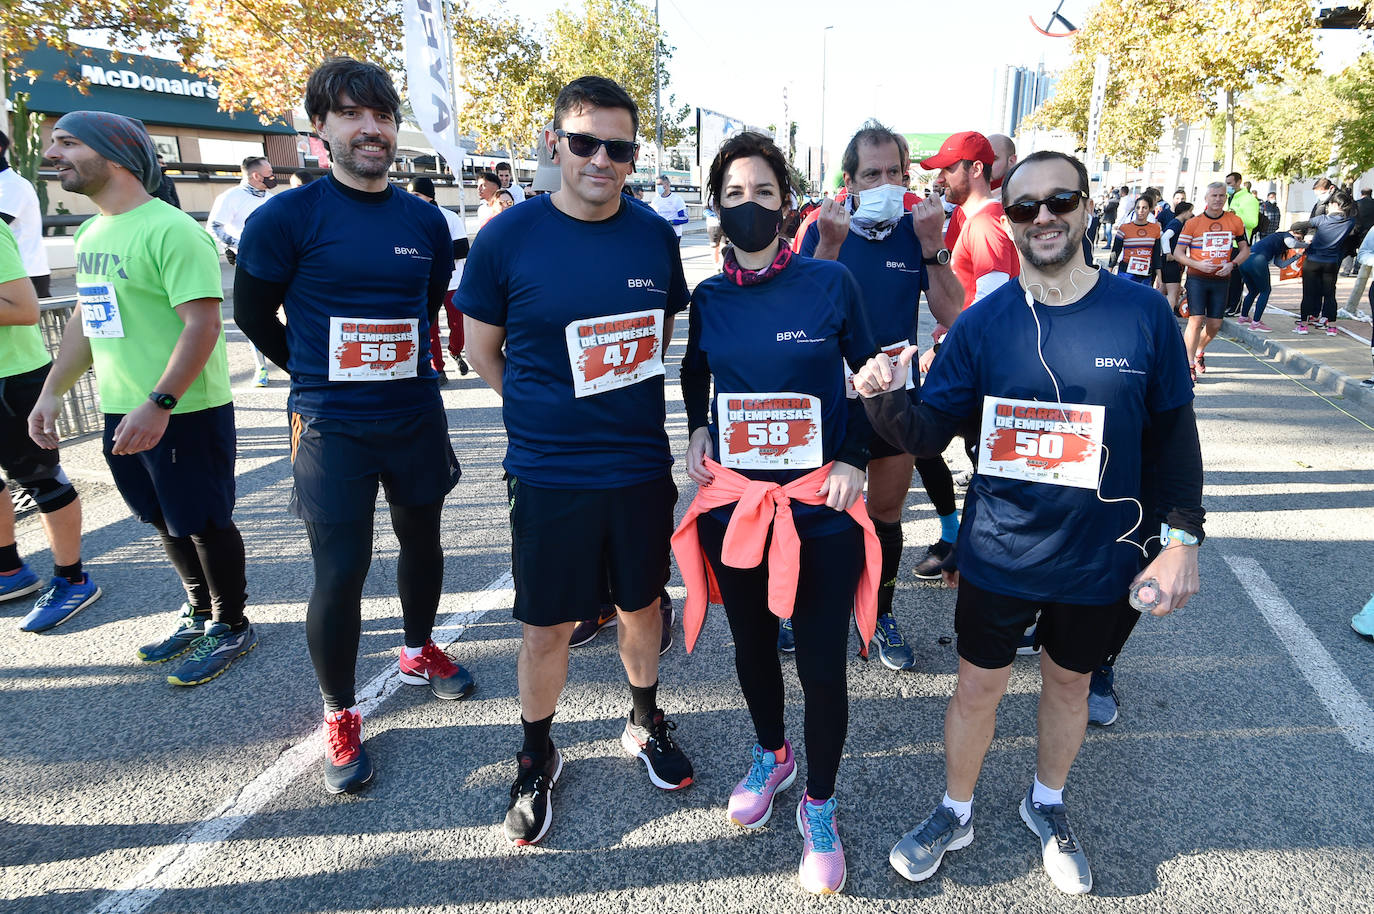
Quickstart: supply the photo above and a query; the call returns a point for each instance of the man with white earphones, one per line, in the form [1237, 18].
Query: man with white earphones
[1088, 439]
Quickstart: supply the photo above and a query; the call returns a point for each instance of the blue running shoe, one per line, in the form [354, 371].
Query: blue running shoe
[1103, 704]
[18, 583]
[190, 628]
[1363, 622]
[212, 653]
[787, 642]
[893, 650]
[60, 602]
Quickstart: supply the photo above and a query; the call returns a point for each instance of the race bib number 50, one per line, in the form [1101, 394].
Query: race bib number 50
[373, 349]
[615, 351]
[773, 431]
[1053, 443]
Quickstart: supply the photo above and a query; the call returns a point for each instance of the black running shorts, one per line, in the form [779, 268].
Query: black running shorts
[567, 543]
[1207, 297]
[36, 469]
[336, 464]
[185, 481]
[990, 627]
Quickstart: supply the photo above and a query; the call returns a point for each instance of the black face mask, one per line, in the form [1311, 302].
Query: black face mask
[750, 226]
[270, 181]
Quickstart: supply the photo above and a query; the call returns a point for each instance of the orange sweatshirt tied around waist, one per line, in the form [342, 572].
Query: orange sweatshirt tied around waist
[760, 504]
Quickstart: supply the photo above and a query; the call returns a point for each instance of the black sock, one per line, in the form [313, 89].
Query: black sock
[9, 555]
[645, 700]
[890, 541]
[537, 742]
[71, 572]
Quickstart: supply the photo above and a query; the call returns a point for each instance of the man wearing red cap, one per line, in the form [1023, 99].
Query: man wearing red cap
[983, 256]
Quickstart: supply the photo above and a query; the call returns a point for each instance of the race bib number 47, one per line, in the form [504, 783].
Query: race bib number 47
[774, 431]
[1057, 444]
[616, 351]
[373, 349]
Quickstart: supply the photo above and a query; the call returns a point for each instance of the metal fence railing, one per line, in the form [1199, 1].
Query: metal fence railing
[80, 414]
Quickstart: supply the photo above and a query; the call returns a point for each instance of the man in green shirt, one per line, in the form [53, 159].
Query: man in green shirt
[1247, 206]
[24, 364]
[148, 292]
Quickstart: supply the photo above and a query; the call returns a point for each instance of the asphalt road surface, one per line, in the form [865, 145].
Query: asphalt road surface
[1238, 778]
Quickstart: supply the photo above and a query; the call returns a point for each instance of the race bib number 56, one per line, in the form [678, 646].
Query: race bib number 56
[773, 431]
[1053, 443]
[373, 349]
[619, 350]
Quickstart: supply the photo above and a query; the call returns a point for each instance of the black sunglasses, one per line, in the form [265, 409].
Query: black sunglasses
[584, 146]
[1060, 204]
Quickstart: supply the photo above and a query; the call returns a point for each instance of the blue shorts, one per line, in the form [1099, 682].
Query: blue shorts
[337, 463]
[186, 481]
[1207, 297]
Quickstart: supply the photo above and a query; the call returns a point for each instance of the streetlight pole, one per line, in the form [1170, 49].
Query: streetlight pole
[658, 103]
[825, 36]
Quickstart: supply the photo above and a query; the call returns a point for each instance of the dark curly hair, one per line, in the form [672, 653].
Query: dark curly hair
[743, 146]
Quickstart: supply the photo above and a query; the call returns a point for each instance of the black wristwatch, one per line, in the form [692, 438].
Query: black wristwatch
[163, 401]
[941, 257]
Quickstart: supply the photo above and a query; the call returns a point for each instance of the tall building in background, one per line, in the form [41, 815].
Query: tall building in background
[1020, 91]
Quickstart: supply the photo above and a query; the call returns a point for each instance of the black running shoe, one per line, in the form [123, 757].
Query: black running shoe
[530, 812]
[928, 568]
[668, 767]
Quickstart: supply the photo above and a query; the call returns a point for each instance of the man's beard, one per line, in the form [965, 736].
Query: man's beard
[1072, 243]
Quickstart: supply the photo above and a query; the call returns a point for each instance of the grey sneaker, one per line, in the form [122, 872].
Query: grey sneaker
[190, 628]
[1103, 705]
[1065, 862]
[917, 856]
[893, 650]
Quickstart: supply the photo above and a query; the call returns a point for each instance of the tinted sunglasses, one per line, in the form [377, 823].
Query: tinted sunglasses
[584, 146]
[1060, 204]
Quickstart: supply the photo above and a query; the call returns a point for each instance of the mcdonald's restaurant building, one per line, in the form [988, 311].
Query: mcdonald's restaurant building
[179, 108]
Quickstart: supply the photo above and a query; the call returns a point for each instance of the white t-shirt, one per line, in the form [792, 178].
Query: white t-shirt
[455, 231]
[673, 208]
[19, 201]
[517, 193]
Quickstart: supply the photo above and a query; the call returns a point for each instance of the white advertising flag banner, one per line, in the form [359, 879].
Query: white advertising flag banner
[429, 48]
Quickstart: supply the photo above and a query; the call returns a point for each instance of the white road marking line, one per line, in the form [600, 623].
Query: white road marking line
[137, 893]
[1337, 693]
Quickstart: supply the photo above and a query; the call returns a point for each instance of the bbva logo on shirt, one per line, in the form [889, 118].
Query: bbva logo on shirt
[797, 336]
[1111, 363]
[403, 251]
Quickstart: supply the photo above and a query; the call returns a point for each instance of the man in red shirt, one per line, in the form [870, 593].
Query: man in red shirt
[983, 255]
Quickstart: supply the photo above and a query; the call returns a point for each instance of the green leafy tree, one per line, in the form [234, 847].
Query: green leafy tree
[615, 38]
[1288, 134]
[510, 91]
[1171, 60]
[26, 24]
[26, 147]
[1353, 89]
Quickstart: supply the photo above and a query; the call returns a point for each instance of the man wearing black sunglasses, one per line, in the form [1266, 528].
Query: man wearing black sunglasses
[569, 302]
[1057, 516]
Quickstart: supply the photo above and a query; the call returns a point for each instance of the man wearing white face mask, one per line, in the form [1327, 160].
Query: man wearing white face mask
[894, 258]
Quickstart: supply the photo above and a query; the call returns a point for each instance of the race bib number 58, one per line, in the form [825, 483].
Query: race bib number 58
[373, 349]
[1053, 443]
[773, 431]
[619, 350]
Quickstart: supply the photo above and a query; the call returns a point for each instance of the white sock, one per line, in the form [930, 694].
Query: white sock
[352, 710]
[964, 810]
[1044, 796]
[412, 652]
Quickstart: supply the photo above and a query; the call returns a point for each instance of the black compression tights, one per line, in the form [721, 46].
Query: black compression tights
[938, 482]
[830, 567]
[211, 567]
[333, 620]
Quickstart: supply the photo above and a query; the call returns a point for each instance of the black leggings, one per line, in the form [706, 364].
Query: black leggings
[211, 566]
[938, 482]
[333, 619]
[1319, 289]
[830, 568]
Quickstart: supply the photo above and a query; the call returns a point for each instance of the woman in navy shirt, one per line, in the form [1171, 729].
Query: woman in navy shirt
[1325, 250]
[773, 330]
